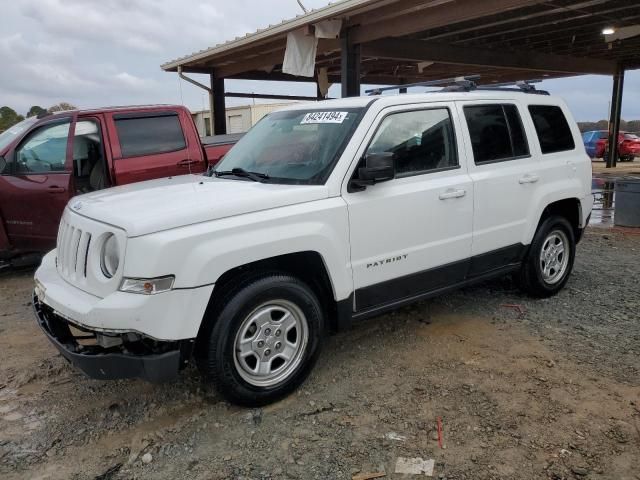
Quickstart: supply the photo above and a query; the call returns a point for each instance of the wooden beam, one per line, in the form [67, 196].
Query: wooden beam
[188, 69]
[274, 77]
[420, 51]
[395, 9]
[263, 60]
[522, 33]
[247, 65]
[614, 119]
[505, 21]
[350, 66]
[219, 106]
[438, 16]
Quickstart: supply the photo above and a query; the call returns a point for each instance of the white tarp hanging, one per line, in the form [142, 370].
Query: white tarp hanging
[300, 54]
[328, 29]
[323, 81]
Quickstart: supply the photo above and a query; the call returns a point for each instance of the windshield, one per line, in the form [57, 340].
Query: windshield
[298, 146]
[12, 133]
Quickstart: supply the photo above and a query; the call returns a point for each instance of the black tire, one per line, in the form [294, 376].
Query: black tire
[531, 277]
[217, 353]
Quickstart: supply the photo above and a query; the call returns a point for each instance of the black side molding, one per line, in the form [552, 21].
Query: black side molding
[391, 294]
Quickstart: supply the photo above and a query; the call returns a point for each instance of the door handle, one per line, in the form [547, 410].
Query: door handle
[187, 163]
[56, 189]
[529, 178]
[451, 193]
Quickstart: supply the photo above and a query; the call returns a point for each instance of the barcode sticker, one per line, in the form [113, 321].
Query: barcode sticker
[324, 117]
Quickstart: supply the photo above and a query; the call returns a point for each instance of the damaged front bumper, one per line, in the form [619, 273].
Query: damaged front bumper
[108, 357]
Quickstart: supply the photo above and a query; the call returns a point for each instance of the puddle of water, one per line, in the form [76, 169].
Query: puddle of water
[604, 201]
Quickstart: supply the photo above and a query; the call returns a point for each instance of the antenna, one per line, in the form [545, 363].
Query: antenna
[302, 6]
[463, 83]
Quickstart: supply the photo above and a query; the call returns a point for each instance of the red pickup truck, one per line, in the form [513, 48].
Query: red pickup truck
[47, 160]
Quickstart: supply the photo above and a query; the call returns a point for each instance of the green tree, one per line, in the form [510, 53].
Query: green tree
[602, 125]
[633, 126]
[587, 126]
[61, 107]
[35, 111]
[8, 118]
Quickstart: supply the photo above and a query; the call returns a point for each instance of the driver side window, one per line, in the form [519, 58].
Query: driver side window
[44, 151]
[421, 141]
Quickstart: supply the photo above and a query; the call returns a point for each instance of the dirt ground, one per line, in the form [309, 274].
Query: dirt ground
[550, 389]
[622, 168]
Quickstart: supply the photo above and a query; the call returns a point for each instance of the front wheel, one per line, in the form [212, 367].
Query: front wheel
[265, 340]
[549, 262]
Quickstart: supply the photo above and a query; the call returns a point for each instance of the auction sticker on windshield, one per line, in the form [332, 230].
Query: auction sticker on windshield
[324, 117]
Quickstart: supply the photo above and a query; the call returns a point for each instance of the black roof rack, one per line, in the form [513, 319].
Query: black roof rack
[525, 86]
[466, 84]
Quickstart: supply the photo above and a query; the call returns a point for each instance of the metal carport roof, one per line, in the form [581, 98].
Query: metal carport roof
[501, 39]
[406, 41]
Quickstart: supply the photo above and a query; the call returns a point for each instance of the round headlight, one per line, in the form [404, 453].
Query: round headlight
[110, 258]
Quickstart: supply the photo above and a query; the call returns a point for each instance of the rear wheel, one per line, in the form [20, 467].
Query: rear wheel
[550, 259]
[265, 340]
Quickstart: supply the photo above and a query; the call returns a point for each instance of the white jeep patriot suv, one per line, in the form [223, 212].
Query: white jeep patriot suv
[322, 214]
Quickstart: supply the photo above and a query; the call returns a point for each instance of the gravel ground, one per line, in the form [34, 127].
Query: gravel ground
[525, 389]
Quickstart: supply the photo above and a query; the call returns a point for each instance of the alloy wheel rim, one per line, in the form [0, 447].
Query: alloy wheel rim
[270, 343]
[554, 257]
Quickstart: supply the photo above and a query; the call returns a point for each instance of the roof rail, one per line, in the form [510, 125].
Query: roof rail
[525, 86]
[465, 83]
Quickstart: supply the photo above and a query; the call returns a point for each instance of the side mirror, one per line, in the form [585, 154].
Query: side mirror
[378, 167]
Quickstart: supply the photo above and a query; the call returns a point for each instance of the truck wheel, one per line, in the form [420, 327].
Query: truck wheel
[265, 341]
[549, 262]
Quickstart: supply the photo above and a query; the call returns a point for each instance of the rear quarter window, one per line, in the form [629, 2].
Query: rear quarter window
[148, 135]
[496, 133]
[552, 128]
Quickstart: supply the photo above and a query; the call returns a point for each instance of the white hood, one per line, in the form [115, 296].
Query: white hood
[157, 205]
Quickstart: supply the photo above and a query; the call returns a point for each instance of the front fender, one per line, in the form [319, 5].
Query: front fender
[199, 254]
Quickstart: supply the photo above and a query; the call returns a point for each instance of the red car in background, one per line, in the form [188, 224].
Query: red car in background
[596, 143]
[629, 148]
[45, 161]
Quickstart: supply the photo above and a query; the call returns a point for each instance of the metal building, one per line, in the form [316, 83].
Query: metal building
[237, 119]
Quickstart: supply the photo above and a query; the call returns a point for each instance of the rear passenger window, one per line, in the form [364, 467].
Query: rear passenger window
[149, 134]
[552, 128]
[496, 133]
[422, 141]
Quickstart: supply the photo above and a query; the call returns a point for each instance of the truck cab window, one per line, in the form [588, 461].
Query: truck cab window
[149, 135]
[44, 151]
[421, 140]
[88, 159]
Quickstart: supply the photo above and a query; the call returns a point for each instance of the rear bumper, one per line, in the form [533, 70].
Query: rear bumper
[105, 364]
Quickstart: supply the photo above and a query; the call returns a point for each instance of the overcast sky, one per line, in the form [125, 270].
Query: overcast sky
[108, 52]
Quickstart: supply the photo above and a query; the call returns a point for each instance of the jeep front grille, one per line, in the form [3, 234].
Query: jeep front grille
[73, 248]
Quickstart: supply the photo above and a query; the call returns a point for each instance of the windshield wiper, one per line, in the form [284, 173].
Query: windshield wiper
[241, 172]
